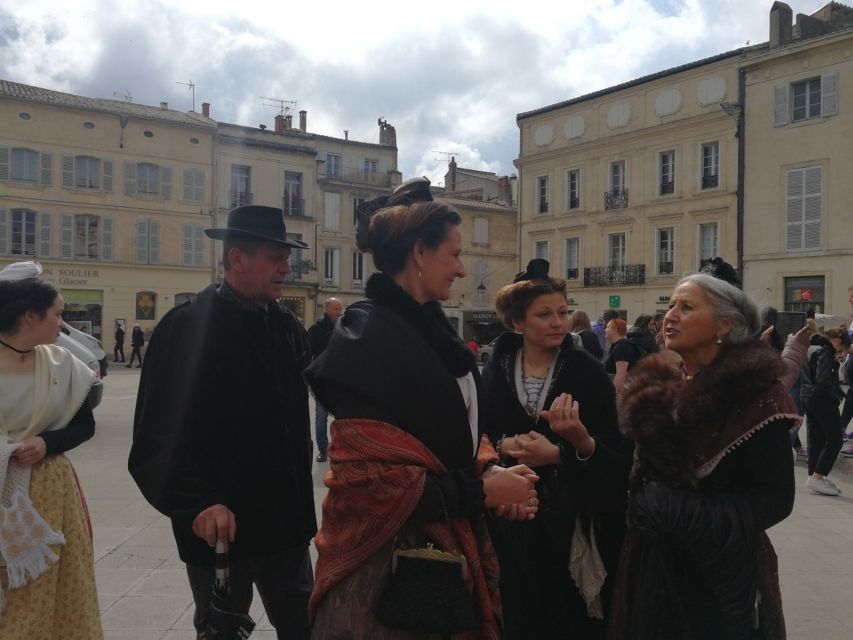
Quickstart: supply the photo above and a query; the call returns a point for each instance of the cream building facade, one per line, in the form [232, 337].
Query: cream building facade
[111, 197]
[489, 236]
[798, 222]
[627, 189]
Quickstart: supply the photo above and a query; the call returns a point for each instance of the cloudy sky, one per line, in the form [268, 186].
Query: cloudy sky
[450, 76]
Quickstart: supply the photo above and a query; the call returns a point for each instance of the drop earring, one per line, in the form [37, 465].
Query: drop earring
[719, 340]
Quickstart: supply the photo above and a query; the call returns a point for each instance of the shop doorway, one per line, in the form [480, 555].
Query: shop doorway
[84, 310]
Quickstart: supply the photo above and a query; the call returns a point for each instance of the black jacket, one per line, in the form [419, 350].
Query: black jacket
[137, 339]
[222, 417]
[539, 597]
[407, 358]
[643, 339]
[319, 335]
[819, 374]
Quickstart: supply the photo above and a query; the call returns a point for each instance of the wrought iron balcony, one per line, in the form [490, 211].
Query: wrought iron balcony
[358, 175]
[574, 203]
[710, 181]
[616, 199]
[293, 206]
[665, 268]
[240, 198]
[667, 187]
[628, 274]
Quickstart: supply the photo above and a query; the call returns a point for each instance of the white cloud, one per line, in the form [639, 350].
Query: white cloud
[449, 76]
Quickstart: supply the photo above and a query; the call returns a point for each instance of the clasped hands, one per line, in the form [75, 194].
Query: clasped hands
[511, 491]
[536, 450]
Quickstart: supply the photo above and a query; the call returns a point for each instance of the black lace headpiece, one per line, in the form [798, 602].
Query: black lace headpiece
[411, 191]
[537, 269]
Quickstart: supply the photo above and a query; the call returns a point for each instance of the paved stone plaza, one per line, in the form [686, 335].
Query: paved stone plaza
[144, 594]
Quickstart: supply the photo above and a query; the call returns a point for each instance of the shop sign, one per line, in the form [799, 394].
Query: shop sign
[483, 316]
[66, 277]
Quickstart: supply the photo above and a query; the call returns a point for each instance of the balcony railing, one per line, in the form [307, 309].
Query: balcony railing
[574, 203]
[356, 175]
[711, 181]
[240, 198]
[666, 188]
[616, 199]
[665, 268]
[628, 274]
[293, 206]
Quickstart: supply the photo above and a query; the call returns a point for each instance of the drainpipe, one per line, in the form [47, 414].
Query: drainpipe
[741, 168]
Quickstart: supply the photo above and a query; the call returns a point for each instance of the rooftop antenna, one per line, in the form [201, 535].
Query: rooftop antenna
[284, 106]
[191, 86]
[447, 154]
[124, 96]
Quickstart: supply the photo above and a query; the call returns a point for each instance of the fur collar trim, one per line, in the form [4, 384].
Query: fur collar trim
[427, 319]
[683, 429]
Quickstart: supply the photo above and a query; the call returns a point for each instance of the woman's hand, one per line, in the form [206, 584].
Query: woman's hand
[511, 491]
[31, 451]
[532, 449]
[564, 420]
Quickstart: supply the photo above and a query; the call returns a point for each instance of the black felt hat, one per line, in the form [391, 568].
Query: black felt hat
[537, 269]
[258, 223]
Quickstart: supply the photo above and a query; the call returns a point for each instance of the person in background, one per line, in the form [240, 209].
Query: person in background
[820, 393]
[712, 473]
[319, 335]
[137, 341]
[221, 433]
[554, 568]
[599, 327]
[474, 347]
[119, 348]
[623, 354]
[643, 334]
[48, 581]
[579, 324]
[409, 463]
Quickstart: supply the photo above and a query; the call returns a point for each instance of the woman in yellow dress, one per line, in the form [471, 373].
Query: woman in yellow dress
[47, 573]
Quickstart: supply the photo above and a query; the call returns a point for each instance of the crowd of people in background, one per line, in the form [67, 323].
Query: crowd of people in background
[612, 480]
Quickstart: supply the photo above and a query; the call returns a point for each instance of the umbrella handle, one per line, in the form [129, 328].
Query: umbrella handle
[221, 563]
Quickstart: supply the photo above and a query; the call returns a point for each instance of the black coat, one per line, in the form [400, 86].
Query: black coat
[393, 360]
[540, 599]
[137, 338]
[319, 335]
[222, 417]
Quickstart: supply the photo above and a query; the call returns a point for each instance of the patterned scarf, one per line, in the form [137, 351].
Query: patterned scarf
[376, 478]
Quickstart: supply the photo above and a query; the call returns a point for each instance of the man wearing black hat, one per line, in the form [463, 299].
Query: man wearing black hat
[221, 438]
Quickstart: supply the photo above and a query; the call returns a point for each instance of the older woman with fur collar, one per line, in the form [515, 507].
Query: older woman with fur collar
[712, 472]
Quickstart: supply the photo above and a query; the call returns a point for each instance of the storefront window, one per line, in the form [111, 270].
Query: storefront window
[804, 294]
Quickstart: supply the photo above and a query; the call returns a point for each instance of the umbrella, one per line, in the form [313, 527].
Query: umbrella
[222, 623]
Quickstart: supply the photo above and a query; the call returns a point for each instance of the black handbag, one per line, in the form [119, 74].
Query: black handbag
[427, 591]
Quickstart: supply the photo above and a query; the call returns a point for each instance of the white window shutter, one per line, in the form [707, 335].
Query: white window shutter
[794, 210]
[187, 245]
[45, 234]
[108, 175]
[333, 211]
[188, 184]
[107, 238]
[812, 208]
[198, 245]
[4, 232]
[67, 171]
[780, 106]
[67, 238]
[829, 94]
[166, 182]
[45, 177]
[199, 185]
[142, 241]
[130, 178]
[4, 163]
[153, 242]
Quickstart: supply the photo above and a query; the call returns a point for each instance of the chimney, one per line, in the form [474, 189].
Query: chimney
[303, 121]
[781, 19]
[279, 124]
[504, 190]
[346, 134]
[262, 127]
[452, 170]
[288, 122]
[164, 106]
[387, 133]
[205, 109]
